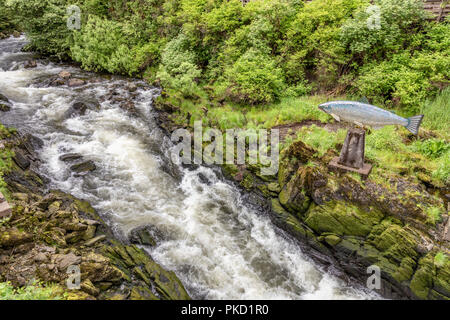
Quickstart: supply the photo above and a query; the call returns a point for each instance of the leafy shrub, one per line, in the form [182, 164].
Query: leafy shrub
[432, 148]
[7, 18]
[45, 24]
[178, 69]
[254, 78]
[105, 45]
[313, 44]
[398, 20]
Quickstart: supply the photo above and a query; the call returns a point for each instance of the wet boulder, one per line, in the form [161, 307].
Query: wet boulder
[77, 109]
[142, 235]
[21, 159]
[30, 64]
[64, 74]
[75, 82]
[129, 106]
[132, 87]
[4, 107]
[69, 157]
[3, 98]
[83, 167]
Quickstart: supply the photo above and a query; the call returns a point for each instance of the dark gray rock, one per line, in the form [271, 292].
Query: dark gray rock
[77, 109]
[4, 107]
[68, 157]
[21, 159]
[75, 82]
[3, 98]
[30, 64]
[84, 167]
[143, 236]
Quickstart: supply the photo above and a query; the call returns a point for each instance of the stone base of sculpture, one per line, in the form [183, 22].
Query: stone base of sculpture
[352, 154]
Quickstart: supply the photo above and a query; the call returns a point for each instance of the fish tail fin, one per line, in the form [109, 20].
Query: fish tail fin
[414, 124]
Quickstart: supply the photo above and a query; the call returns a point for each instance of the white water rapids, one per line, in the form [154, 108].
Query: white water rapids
[218, 246]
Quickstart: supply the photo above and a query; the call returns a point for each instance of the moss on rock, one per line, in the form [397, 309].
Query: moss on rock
[342, 218]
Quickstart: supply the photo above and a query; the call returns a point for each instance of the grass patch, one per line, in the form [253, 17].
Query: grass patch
[440, 259]
[437, 113]
[320, 139]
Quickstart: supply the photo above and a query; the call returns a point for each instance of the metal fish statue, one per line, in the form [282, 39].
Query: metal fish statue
[366, 114]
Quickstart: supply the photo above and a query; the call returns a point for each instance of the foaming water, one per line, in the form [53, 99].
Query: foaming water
[218, 246]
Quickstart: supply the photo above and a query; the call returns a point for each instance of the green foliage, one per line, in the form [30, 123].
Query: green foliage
[440, 259]
[34, 291]
[432, 148]
[405, 75]
[108, 45]
[178, 69]
[45, 24]
[442, 172]
[436, 111]
[254, 78]
[398, 21]
[313, 42]
[257, 53]
[7, 19]
[320, 138]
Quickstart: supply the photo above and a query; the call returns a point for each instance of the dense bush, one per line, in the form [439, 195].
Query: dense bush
[178, 69]
[45, 24]
[254, 78]
[7, 19]
[255, 53]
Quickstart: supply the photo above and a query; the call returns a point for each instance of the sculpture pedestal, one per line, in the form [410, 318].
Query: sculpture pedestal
[352, 154]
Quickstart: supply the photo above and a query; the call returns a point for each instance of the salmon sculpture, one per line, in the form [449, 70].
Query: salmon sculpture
[361, 113]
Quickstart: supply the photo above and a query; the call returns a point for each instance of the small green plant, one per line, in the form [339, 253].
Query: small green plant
[440, 259]
[34, 291]
[432, 148]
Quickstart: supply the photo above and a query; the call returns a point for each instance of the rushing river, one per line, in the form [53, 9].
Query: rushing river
[218, 246]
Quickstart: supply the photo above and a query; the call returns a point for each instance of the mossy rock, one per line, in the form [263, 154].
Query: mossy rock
[142, 293]
[332, 239]
[422, 280]
[441, 283]
[294, 199]
[274, 187]
[248, 182]
[167, 283]
[395, 243]
[342, 218]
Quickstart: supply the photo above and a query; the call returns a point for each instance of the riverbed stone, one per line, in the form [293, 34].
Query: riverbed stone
[64, 74]
[4, 107]
[76, 109]
[30, 64]
[3, 98]
[84, 167]
[142, 235]
[68, 157]
[75, 82]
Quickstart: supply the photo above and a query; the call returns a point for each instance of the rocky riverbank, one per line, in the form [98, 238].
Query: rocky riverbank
[349, 224]
[49, 230]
